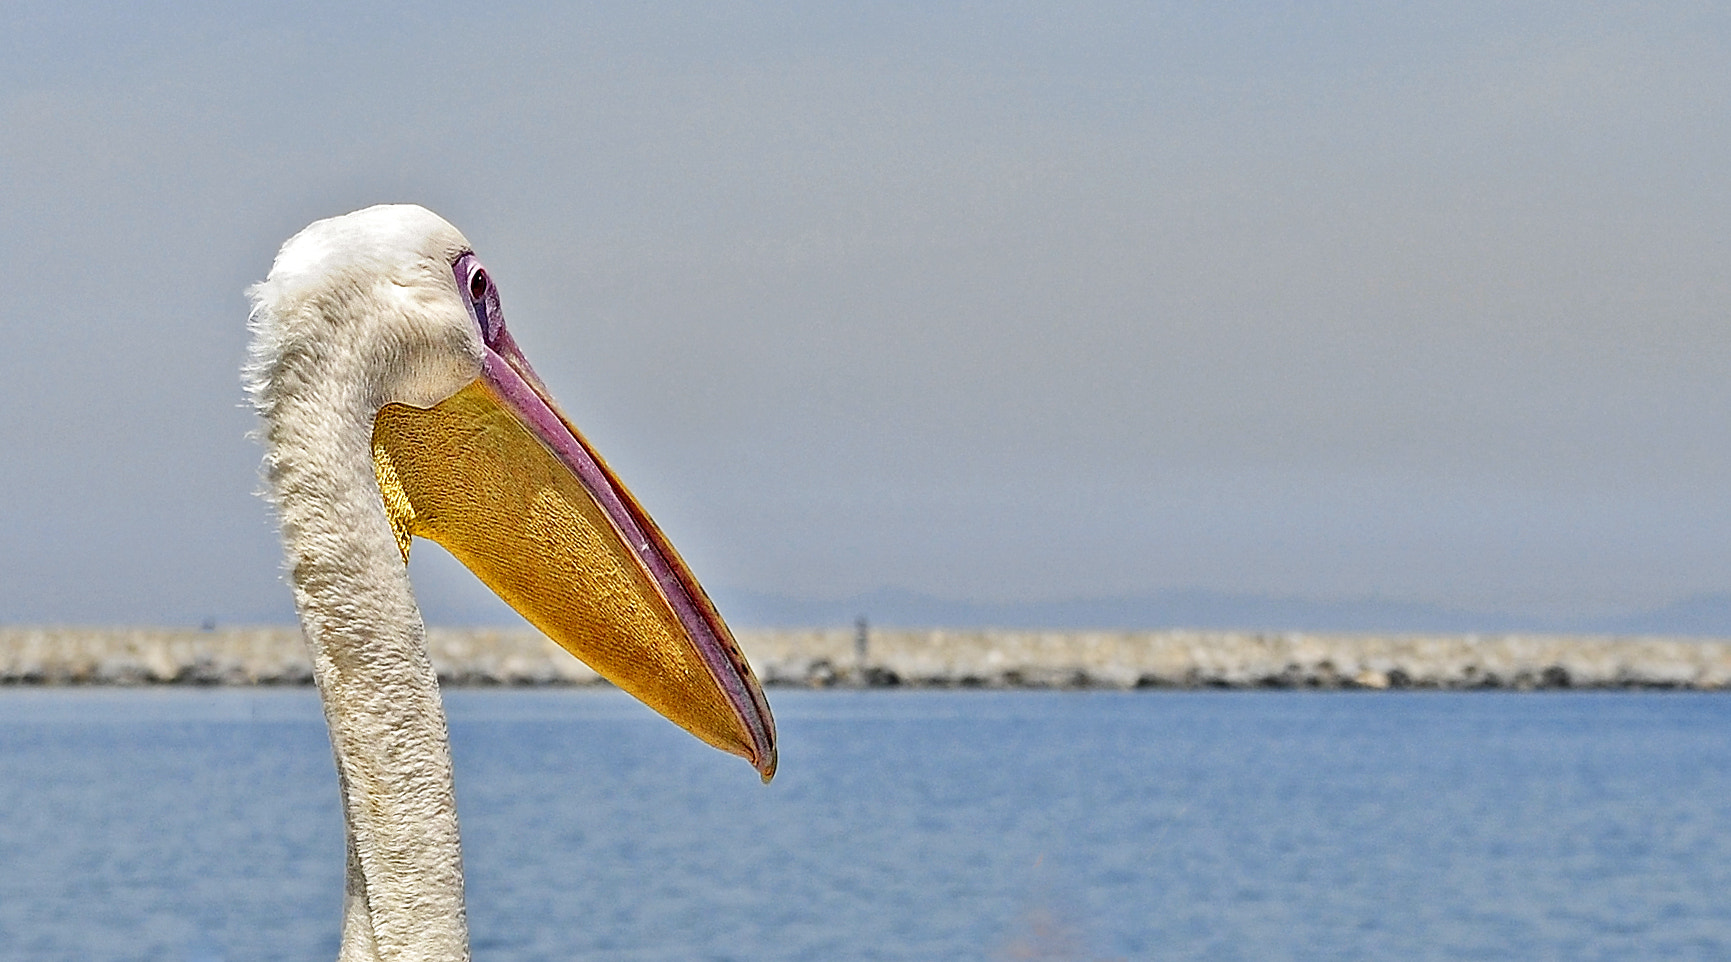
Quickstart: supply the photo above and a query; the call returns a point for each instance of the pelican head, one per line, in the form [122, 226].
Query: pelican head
[396, 404]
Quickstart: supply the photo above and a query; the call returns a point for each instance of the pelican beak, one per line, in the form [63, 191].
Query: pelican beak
[500, 477]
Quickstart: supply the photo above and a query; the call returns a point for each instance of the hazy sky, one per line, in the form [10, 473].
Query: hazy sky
[990, 301]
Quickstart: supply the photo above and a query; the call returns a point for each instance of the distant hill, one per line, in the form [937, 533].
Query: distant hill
[1702, 615]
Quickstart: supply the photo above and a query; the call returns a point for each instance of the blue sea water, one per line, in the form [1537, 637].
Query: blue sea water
[203, 825]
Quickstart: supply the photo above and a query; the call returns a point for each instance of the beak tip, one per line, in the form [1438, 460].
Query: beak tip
[766, 767]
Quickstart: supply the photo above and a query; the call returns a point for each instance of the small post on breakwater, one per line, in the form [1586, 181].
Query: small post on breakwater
[861, 640]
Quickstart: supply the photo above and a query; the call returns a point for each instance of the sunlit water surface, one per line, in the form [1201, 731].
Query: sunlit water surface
[203, 825]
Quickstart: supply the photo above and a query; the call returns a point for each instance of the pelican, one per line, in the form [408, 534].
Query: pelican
[395, 404]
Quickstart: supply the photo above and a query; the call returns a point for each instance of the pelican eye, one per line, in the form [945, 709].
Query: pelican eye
[478, 284]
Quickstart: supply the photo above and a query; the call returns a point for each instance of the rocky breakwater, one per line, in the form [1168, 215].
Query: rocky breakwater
[948, 659]
[1220, 659]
